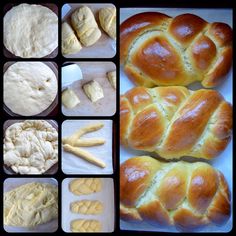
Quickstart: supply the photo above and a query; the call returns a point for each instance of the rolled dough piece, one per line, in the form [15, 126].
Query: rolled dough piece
[69, 98]
[30, 205]
[29, 88]
[30, 31]
[93, 90]
[112, 78]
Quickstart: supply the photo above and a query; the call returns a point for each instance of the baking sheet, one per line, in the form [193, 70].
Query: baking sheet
[72, 164]
[106, 197]
[12, 183]
[103, 107]
[105, 47]
[224, 161]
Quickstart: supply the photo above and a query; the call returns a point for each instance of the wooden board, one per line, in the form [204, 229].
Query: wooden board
[103, 107]
[105, 47]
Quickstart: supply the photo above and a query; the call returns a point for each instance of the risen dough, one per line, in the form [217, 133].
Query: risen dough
[30, 31]
[30, 204]
[29, 88]
[30, 147]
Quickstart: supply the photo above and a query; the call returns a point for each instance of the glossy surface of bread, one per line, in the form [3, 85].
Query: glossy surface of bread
[186, 195]
[159, 50]
[174, 121]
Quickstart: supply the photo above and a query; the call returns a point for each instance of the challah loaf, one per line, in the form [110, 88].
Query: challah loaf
[186, 195]
[174, 121]
[159, 50]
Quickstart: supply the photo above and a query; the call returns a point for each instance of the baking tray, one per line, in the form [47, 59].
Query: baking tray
[224, 161]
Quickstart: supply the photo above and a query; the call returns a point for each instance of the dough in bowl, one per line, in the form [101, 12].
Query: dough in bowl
[30, 205]
[30, 147]
[29, 88]
[30, 31]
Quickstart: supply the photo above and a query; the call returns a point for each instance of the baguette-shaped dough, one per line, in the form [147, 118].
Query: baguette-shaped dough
[107, 18]
[111, 75]
[85, 226]
[69, 44]
[73, 139]
[93, 90]
[85, 25]
[87, 207]
[85, 186]
[85, 155]
[69, 98]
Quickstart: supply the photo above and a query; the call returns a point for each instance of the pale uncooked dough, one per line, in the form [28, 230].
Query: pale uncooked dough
[30, 31]
[29, 88]
[93, 90]
[30, 147]
[30, 204]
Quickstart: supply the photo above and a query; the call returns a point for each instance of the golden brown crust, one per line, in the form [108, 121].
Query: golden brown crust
[187, 195]
[159, 50]
[182, 122]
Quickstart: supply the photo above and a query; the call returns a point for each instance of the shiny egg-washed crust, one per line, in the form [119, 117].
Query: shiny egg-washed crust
[159, 50]
[174, 121]
[186, 195]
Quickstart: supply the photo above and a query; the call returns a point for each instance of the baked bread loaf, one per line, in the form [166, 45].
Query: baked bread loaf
[186, 195]
[174, 121]
[159, 50]
[85, 25]
[87, 207]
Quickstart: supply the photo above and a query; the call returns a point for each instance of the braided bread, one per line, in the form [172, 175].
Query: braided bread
[87, 207]
[174, 121]
[85, 226]
[186, 195]
[85, 186]
[159, 50]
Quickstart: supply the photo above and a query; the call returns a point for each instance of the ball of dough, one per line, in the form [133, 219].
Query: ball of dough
[29, 88]
[30, 31]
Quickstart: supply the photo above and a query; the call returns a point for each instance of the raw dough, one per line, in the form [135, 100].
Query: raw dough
[93, 90]
[29, 88]
[69, 98]
[30, 147]
[30, 204]
[85, 226]
[107, 18]
[85, 25]
[69, 44]
[112, 78]
[30, 31]
[87, 207]
[85, 186]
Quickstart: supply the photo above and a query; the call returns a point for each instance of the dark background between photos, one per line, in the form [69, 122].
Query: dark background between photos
[59, 60]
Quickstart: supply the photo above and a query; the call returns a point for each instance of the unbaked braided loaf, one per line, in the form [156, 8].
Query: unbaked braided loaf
[159, 50]
[82, 225]
[186, 195]
[87, 207]
[174, 121]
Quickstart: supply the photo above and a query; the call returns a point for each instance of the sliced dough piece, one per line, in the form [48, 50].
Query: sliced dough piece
[112, 78]
[85, 186]
[87, 207]
[30, 31]
[107, 18]
[93, 90]
[85, 226]
[69, 98]
[69, 42]
[29, 88]
[85, 25]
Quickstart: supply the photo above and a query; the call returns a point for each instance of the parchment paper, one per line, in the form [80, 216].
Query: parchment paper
[106, 197]
[224, 161]
[72, 164]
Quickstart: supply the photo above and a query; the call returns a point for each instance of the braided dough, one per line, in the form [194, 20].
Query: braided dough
[85, 186]
[86, 226]
[30, 147]
[159, 50]
[87, 207]
[175, 122]
[30, 204]
[30, 31]
[186, 195]
[29, 88]
[85, 25]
